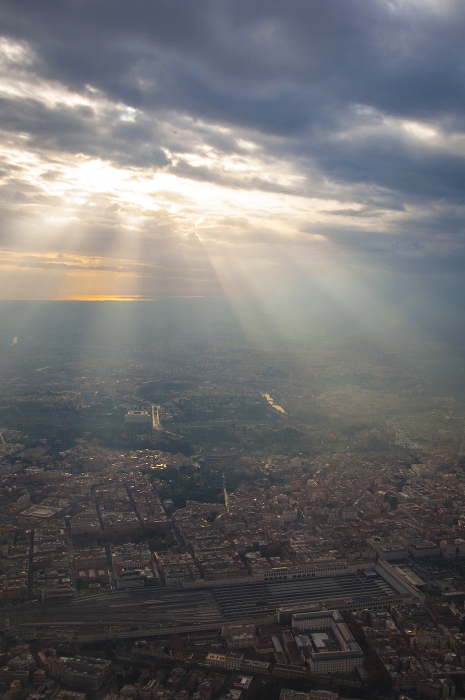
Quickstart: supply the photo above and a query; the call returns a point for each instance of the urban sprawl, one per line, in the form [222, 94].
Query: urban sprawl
[181, 559]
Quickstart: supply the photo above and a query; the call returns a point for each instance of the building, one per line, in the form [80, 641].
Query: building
[235, 630]
[243, 682]
[452, 549]
[442, 688]
[70, 695]
[388, 550]
[424, 550]
[289, 671]
[231, 660]
[38, 515]
[87, 674]
[252, 666]
[148, 691]
[401, 591]
[39, 676]
[349, 514]
[333, 648]
[288, 694]
[323, 566]
[242, 641]
[214, 457]
[138, 417]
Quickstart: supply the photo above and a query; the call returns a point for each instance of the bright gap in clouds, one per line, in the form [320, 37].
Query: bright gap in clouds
[73, 200]
[203, 208]
[164, 231]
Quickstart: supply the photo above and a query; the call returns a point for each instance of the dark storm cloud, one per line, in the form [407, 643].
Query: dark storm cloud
[269, 64]
[296, 69]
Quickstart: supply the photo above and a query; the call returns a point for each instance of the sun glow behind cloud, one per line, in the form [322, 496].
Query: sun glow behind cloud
[68, 199]
[122, 191]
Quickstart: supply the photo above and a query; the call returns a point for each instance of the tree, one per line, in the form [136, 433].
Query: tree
[377, 680]
[271, 550]
[378, 675]
[170, 539]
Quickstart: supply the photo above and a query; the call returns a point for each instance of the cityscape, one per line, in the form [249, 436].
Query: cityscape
[210, 534]
[232, 350]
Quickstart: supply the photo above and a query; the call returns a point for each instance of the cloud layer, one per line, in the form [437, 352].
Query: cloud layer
[172, 148]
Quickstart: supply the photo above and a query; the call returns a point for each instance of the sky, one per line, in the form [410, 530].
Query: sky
[251, 150]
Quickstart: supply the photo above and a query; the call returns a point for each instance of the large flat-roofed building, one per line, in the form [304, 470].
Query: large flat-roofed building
[323, 566]
[332, 648]
[424, 550]
[380, 588]
[141, 417]
[38, 514]
[388, 550]
[240, 608]
[231, 660]
[215, 456]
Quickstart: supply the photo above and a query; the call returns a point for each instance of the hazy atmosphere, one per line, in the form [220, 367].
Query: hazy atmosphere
[232, 335]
